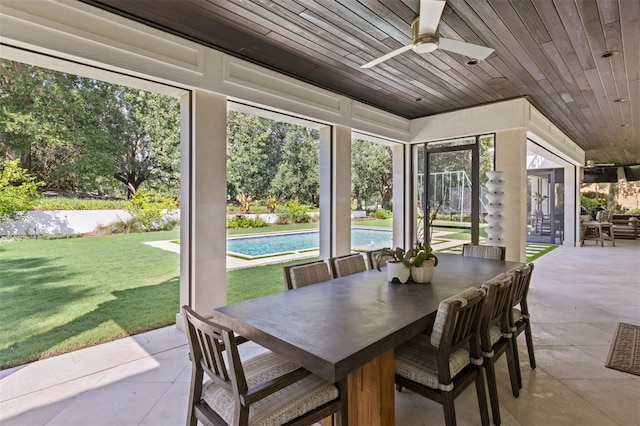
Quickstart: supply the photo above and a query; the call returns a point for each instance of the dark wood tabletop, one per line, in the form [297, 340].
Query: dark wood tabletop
[335, 327]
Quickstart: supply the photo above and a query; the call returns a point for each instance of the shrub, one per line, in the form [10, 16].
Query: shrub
[18, 190]
[633, 211]
[589, 203]
[149, 208]
[237, 222]
[129, 226]
[299, 212]
[381, 214]
[65, 203]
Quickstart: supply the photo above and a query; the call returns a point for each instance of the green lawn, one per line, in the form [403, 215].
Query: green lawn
[61, 295]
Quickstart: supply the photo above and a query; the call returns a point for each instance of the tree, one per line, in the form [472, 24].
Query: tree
[298, 172]
[254, 150]
[148, 137]
[77, 133]
[18, 190]
[371, 172]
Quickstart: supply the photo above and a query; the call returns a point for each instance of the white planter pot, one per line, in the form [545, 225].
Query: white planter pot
[398, 271]
[423, 274]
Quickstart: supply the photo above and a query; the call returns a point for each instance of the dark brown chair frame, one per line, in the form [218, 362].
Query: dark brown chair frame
[497, 311]
[207, 343]
[519, 297]
[371, 257]
[461, 329]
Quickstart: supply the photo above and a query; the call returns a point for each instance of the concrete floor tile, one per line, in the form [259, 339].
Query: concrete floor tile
[619, 399]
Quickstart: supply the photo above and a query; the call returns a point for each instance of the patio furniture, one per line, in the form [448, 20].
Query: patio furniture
[441, 366]
[264, 388]
[347, 265]
[372, 258]
[495, 335]
[484, 252]
[520, 320]
[349, 326]
[304, 274]
[626, 226]
[600, 229]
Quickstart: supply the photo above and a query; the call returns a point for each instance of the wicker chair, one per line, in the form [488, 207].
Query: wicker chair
[441, 366]
[495, 335]
[371, 258]
[265, 389]
[484, 252]
[305, 274]
[519, 320]
[348, 264]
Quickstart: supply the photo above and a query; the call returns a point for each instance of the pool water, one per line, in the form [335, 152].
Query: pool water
[265, 245]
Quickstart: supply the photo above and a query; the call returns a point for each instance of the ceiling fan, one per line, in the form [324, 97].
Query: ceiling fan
[426, 38]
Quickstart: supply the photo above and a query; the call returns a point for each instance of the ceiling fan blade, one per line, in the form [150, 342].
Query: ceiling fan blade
[463, 48]
[430, 14]
[387, 56]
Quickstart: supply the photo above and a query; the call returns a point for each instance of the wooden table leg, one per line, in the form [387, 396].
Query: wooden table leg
[371, 393]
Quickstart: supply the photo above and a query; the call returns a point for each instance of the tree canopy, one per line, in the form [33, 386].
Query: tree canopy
[81, 134]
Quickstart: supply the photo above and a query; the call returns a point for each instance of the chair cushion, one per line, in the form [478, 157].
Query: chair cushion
[416, 360]
[443, 311]
[517, 315]
[279, 407]
[494, 334]
[349, 265]
[309, 274]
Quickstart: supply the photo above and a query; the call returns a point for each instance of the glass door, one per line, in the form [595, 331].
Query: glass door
[545, 206]
[452, 193]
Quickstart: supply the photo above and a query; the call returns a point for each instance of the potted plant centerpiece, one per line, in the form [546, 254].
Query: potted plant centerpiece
[398, 263]
[423, 260]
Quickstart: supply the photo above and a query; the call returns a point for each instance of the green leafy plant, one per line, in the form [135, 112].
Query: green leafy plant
[381, 214]
[397, 255]
[271, 203]
[150, 209]
[238, 222]
[245, 201]
[18, 190]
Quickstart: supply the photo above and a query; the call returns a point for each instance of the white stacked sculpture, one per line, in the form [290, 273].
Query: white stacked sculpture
[495, 196]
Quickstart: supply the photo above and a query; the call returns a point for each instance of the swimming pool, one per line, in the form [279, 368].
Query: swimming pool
[265, 245]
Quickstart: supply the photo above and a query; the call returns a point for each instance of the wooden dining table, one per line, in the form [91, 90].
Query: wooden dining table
[349, 326]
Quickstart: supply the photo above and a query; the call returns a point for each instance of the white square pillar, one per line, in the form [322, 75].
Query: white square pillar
[511, 158]
[335, 191]
[203, 200]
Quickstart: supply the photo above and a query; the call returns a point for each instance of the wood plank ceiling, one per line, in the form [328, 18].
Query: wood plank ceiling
[553, 52]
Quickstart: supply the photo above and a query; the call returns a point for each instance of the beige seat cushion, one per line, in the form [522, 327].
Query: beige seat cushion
[416, 360]
[443, 311]
[349, 265]
[309, 274]
[280, 407]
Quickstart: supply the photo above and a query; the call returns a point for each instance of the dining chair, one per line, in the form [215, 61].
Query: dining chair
[348, 264]
[495, 335]
[484, 252]
[265, 389]
[304, 274]
[373, 262]
[441, 366]
[520, 321]
[605, 225]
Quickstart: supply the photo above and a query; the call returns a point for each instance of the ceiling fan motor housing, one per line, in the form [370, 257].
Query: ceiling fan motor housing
[423, 43]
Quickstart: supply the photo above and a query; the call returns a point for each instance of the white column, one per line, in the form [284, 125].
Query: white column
[571, 206]
[402, 196]
[511, 157]
[335, 191]
[203, 283]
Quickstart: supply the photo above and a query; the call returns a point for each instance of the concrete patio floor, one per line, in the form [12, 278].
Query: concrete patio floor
[577, 297]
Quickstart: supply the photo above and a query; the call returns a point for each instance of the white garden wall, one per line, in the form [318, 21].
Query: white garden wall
[40, 222]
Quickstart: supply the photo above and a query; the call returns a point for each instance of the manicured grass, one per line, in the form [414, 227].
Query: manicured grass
[249, 283]
[60, 295]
